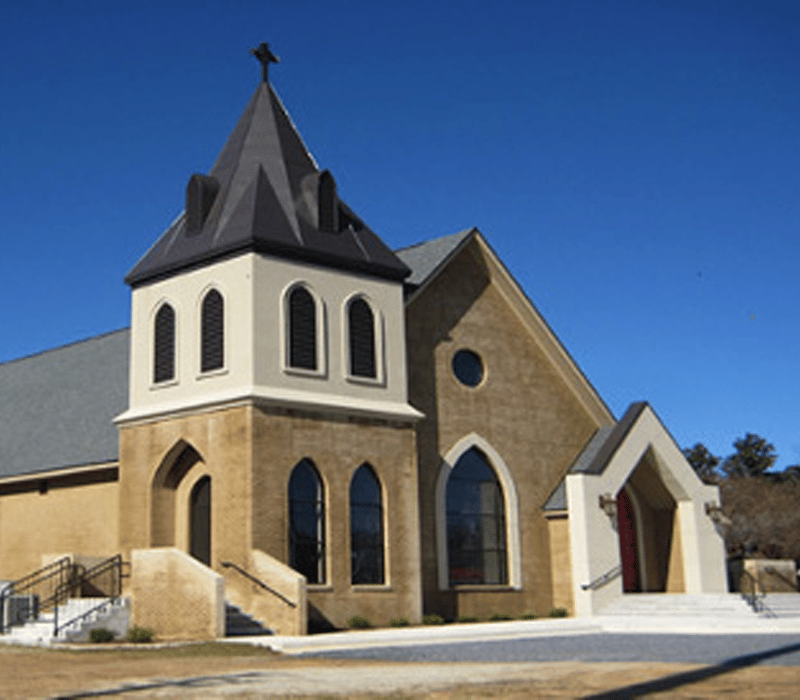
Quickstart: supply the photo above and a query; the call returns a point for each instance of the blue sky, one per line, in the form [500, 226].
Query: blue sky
[635, 164]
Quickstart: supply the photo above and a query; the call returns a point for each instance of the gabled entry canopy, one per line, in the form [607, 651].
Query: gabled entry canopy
[639, 457]
[266, 194]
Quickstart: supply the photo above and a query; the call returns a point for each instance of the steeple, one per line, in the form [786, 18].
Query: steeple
[266, 194]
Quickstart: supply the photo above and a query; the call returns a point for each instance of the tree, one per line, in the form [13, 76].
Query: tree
[753, 457]
[703, 462]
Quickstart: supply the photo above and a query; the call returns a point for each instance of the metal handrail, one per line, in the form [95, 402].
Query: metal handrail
[257, 581]
[62, 569]
[57, 628]
[755, 599]
[602, 580]
[772, 571]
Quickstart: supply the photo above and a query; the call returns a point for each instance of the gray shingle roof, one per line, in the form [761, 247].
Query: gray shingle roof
[268, 201]
[424, 259]
[57, 407]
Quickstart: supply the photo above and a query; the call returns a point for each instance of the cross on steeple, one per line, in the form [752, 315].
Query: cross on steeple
[265, 57]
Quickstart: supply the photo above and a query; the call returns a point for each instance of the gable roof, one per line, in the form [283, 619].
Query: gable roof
[427, 258]
[265, 194]
[57, 407]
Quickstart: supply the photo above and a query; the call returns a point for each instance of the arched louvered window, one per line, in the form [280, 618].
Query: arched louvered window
[302, 329]
[307, 522]
[366, 527]
[476, 527]
[361, 328]
[212, 332]
[164, 344]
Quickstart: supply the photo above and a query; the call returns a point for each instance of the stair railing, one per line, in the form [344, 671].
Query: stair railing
[257, 581]
[772, 571]
[105, 578]
[603, 579]
[44, 589]
[756, 595]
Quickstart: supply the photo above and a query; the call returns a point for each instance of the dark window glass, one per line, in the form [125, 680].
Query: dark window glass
[307, 522]
[366, 527]
[468, 367]
[361, 324]
[200, 521]
[164, 351]
[302, 329]
[212, 333]
[476, 531]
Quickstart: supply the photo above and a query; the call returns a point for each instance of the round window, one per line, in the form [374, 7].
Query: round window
[468, 367]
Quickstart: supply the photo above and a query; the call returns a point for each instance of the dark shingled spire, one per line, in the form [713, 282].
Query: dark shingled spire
[264, 195]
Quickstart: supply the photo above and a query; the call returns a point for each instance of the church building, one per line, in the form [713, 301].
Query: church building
[310, 426]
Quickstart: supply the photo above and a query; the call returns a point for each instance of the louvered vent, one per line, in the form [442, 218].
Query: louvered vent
[328, 203]
[212, 350]
[164, 351]
[362, 339]
[302, 330]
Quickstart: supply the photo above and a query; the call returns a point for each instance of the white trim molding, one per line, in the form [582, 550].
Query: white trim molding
[510, 501]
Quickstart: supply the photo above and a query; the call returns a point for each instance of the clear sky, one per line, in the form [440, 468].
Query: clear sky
[634, 163]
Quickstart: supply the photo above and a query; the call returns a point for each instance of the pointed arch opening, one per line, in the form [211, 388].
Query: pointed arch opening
[307, 522]
[212, 332]
[172, 471]
[366, 528]
[164, 344]
[200, 521]
[477, 518]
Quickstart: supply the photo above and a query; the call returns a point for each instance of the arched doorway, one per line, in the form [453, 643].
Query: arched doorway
[626, 526]
[200, 521]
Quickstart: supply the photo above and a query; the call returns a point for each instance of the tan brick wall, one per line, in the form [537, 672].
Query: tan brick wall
[174, 595]
[75, 517]
[560, 563]
[338, 446]
[524, 408]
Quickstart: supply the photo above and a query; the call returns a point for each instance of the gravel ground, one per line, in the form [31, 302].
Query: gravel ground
[744, 649]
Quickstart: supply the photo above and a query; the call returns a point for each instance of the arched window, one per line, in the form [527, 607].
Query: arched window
[164, 344]
[361, 329]
[307, 522]
[302, 329]
[476, 528]
[212, 332]
[366, 527]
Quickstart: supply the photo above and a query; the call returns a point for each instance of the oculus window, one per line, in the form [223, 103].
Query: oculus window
[366, 527]
[212, 332]
[302, 329]
[164, 350]
[307, 522]
[468, 367]
[476, 528]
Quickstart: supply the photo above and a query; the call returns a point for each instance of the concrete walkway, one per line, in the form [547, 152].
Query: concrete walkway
[520, 629]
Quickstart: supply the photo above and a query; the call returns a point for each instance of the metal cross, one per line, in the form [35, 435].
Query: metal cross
[265, 57]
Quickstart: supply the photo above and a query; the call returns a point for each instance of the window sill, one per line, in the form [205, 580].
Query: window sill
[483, 588]
[319, 588]
[212, 373]
[371, 588]
[300, 372]
[366, 381]
[166, 384]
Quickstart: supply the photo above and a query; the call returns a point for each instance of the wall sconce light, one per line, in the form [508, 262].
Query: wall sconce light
[608, 504]
[714, 511]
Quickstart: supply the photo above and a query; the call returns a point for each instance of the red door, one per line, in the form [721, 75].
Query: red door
[627, 543]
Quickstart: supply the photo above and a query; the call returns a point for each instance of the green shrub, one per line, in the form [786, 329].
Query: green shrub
[399, 622]
[499, 617]
[528, 616]
[141, 635]
[101, 635]
[557, 612]
[432, 619]
[467, 618]
[359, 622]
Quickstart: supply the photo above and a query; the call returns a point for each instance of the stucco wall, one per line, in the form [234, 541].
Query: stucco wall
[526, 409]
[73, 515]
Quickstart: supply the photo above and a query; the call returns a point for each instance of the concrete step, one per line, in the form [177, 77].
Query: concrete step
[239, 624]
[728, 605]
[781, 605]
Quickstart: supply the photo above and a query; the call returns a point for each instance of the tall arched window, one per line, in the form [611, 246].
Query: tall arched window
[212, 332]
[307, 522]
[302, 329]
[366, 527]
[361, 330]
[476, 528]
[164, 344]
